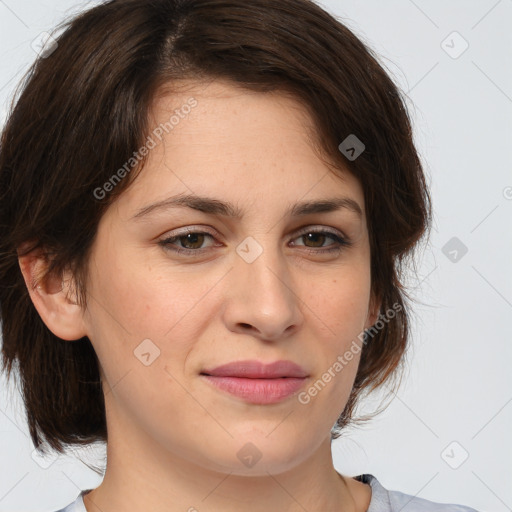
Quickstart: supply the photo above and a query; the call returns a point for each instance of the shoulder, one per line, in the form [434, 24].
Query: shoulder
[384, 500]
[77, 505]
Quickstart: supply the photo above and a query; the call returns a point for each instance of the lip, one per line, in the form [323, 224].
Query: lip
[253, 369]
[256, 382]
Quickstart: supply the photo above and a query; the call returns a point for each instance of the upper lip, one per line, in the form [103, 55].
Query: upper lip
[252, 369]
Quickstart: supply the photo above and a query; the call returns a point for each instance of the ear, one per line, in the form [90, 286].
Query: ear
[373, 311]
[54, 297]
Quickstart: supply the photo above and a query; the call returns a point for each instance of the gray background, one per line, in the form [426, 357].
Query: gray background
[443, 437]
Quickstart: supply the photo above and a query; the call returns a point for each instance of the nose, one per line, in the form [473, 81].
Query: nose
[262, 299]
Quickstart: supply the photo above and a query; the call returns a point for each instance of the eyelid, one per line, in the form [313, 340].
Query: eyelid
[315, 228]
[178, 232]
[206, 229]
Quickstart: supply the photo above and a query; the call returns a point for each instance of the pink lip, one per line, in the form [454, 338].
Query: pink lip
[256, 382]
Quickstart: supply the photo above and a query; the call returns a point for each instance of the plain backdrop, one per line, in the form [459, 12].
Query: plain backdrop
[444, 435]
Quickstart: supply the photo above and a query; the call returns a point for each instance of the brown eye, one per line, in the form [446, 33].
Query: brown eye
[190, 242]
[314, 240]
[317, 239]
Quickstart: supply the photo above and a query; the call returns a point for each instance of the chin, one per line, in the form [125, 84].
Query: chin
[256, 453]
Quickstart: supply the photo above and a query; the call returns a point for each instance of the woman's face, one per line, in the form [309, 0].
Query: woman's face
[272, 284]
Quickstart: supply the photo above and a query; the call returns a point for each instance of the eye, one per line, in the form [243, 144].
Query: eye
[191, 241]
[317, 237]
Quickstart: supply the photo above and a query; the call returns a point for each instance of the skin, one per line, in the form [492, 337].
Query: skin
[174, 438]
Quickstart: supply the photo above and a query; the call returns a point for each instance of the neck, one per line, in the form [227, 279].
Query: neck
[165, 482]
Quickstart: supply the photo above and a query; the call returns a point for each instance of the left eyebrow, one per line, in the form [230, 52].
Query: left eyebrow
[217, 207]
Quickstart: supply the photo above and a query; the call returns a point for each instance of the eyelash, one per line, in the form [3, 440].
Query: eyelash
[336, 247]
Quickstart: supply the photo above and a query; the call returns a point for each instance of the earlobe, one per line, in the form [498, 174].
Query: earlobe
[53, 297]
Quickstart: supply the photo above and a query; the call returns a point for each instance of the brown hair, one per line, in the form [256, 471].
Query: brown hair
[83, 111]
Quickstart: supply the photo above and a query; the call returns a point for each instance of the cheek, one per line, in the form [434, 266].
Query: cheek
[145, 315]
[146, 300]
[339, 314]
[339, 304]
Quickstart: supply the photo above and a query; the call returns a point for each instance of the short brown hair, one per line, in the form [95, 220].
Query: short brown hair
[83, 111]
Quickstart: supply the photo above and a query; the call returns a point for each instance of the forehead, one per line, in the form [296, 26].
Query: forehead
[235, 144]
[227, 110]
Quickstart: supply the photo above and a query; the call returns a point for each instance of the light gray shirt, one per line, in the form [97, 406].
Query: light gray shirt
[382, 501]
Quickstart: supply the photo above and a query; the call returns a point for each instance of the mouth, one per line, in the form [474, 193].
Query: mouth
[257, 383]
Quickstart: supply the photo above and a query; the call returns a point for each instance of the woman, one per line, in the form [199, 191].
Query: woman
[205, 206]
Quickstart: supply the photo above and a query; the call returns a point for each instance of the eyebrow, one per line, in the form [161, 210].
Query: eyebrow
[217, 207]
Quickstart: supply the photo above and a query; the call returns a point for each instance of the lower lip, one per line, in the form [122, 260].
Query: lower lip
[258, 391]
